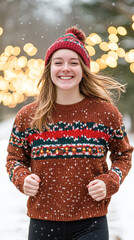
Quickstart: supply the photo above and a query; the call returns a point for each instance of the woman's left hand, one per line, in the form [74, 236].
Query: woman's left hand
[97, 189]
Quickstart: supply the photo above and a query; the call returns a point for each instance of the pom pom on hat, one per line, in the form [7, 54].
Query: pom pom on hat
[74, 39]
[77, 32]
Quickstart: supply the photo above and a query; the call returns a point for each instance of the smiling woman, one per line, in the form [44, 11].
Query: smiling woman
[66, 74]
[59, 144]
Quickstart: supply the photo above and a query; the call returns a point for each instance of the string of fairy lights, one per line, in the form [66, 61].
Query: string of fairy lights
[20, 76]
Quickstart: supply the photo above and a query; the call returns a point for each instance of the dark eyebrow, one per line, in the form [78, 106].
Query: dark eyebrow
[57, 58]
[74, 58]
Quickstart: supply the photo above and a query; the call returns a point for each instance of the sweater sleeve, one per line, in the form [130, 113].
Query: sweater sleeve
[120, 156]
[18, 157]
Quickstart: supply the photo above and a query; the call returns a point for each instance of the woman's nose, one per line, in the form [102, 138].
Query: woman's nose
[66, 67]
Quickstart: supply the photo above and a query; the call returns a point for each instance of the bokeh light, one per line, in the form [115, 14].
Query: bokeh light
[1, 31]
[21, 71]
[112, 30]
[104, 46]
[132, 67]
[91, 50]
[122, 31]
[113, 38]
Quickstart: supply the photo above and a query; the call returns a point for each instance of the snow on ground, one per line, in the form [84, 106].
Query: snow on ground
[14, 221]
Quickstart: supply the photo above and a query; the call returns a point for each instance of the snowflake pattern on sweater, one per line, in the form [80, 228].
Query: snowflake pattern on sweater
[68, 156]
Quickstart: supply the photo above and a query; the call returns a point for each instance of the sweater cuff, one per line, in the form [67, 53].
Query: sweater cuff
[112, 181]
[18, 178]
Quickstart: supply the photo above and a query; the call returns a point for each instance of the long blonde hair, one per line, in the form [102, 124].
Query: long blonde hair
[91, 85]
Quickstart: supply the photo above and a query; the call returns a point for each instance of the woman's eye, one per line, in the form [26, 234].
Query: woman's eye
[58, 63]
[74, 63]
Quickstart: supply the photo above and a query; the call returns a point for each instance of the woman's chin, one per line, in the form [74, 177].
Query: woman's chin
[66, 86]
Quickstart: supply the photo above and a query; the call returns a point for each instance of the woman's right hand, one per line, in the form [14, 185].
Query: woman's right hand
[31, 184]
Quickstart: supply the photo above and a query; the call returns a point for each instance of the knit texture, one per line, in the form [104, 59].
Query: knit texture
[68, 41]
[68, 157]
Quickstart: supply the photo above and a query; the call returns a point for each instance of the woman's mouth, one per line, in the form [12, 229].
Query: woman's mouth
[65, 78]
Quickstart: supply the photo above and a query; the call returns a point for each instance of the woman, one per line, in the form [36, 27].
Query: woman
[58, 146]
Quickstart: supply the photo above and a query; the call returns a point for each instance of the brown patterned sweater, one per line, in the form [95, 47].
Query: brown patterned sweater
[68, 157]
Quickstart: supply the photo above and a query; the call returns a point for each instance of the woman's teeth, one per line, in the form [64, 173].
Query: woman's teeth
[65, 78]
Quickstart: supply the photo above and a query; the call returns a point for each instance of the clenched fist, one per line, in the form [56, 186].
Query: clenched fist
[31, 185]
[97, 189]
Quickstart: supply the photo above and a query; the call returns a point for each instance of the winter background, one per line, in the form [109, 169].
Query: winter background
[14, 222]
[40, 22]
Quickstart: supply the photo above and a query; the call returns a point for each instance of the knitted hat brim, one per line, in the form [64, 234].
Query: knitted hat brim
[71, 44]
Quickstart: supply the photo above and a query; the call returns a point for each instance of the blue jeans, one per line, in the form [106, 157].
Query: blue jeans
[86, 229]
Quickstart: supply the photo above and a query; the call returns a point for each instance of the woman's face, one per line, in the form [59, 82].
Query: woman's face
[66, 71]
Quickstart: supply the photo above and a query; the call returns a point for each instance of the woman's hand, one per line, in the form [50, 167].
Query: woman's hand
[31, 185]
[97, 189]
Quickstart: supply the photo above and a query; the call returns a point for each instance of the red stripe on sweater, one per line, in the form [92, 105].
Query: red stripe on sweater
[53, 135]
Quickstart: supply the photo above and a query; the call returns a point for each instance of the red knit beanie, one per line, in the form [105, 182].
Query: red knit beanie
[74, 39]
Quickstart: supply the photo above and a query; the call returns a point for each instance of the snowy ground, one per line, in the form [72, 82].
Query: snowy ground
[14, 222]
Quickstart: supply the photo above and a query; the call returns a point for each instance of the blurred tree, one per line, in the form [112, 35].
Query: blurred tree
[115, 13]
[42, 21]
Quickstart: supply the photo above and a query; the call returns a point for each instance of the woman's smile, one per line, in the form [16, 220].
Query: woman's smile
[66, 70]
[65, 77]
